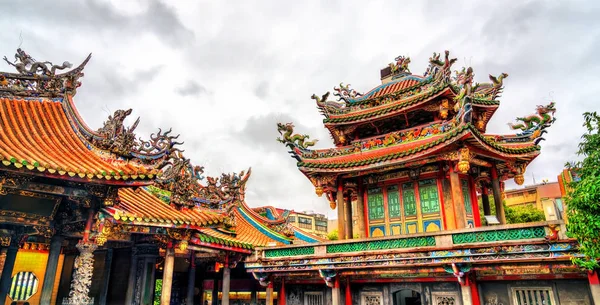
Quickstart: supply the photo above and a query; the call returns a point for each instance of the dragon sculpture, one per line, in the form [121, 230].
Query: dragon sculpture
[464, 79]
[535, 125]
[113, 136]
[401, 65]
[225, 193]
[27, 65]
[490, 90]
[327, 107]
[345, 93]
[440, 69]
[181, 179]
[292, 141]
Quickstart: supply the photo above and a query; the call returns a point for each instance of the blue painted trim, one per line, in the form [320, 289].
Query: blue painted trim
[300, 235]
[255, 224]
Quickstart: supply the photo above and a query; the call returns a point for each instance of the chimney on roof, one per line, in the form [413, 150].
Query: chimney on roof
[386, 75]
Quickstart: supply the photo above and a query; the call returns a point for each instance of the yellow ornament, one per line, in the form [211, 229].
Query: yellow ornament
[332, 205]
[519, 179]
[463, 166]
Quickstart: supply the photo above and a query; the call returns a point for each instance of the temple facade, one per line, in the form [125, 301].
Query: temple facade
[410, 157]
[99, 217]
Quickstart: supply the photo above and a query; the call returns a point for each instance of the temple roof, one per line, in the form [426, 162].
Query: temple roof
[42, 131]
[38, 135]
[461, 110]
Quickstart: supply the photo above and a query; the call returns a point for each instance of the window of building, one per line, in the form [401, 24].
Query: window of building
[304, 222]
[313, 298]
[321, 225]
[291, 218]
[533, 296]
[23, 286]
[428, 193]
[393, 201]
[375, 203]
[464, 185]
[409, 200]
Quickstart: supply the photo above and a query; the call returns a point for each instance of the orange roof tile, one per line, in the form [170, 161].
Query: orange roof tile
[37, 134]
[143, 207]
[245, 233]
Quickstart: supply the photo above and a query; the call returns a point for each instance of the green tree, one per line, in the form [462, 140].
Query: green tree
[333, 235]
[522, 214]
[583, 198]
[517, 214]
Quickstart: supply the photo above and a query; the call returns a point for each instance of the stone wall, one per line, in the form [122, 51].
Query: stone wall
[563, 292]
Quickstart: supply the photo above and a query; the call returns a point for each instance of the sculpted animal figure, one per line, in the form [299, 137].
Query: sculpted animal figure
[345, 93]
[539, 121]
[490, 90]
[290, 140]
[440, 69]
[25, 64]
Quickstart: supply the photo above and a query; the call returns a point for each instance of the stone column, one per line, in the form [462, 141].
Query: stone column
[132, 275]
[51, 266]
[165, 297]
[226, 285]
[485, 201]
[269, 294]
[594, 286]
[360, 209]
[253, 296]
[191, 279]
[467, 298]
[9, 264]
[82, 276]
[335, 293]
[460, 213]
[215, 292]
[108, 266]
[84, 266]
[348, 212]
[341, 213]
[497, 196]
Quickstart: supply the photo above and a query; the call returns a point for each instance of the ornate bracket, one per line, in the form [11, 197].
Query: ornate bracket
[459, 271]
[328, 276]
[262, 278]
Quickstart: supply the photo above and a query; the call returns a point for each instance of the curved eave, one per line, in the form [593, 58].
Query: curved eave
[516, 150]
[387, 110]
[37, 137]
[260, 218]
[385, 156]
[414, 150]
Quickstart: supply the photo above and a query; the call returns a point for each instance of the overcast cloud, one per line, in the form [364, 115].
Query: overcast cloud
[222, 73]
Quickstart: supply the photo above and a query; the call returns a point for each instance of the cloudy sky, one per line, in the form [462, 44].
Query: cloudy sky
[222, 73]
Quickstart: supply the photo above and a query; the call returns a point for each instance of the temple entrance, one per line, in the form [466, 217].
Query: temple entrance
[407, 297]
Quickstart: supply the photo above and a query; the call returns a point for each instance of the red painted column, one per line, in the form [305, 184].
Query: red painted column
[470, 293]
[88, 226]
[594, 286]
[474, 203]
[348, 293]
[282, 297]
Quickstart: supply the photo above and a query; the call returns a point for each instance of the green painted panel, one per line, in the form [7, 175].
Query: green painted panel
[289, 252]
[409, 242]
[500, 235]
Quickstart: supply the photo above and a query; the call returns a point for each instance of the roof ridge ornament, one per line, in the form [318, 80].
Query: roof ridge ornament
[345, 93]
[400, 66]
[534, 126]
[440, 70]
[27, 65]
[39, 79]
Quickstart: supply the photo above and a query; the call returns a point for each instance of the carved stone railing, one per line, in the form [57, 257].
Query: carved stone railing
[522, 233]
